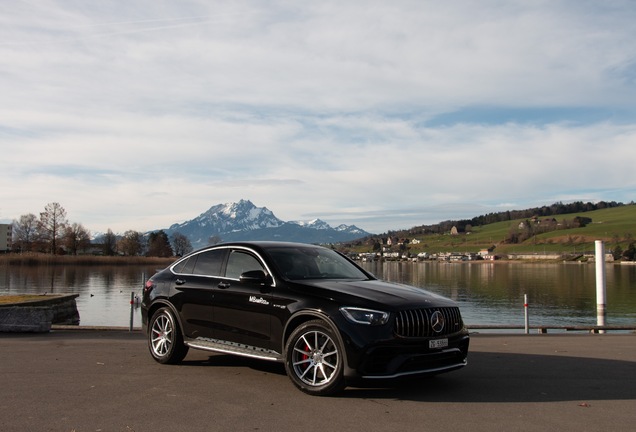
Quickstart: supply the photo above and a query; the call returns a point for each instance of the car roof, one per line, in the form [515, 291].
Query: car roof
[260, 244]
[270, 243]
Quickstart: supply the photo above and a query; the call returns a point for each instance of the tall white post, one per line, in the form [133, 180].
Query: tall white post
[600, 283]
[132, 309]
[525, 308]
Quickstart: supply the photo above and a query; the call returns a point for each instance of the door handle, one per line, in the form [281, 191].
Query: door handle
[180, 281]
[223, 285]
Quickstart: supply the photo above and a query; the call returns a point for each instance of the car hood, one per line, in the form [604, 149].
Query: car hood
[385, 294]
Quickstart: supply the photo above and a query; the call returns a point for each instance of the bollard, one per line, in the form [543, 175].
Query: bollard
[132, 310]
[600, 283]
[525, 307]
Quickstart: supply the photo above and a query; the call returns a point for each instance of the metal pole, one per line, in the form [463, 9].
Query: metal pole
[132, 305]
[525, 307]
[600, 283]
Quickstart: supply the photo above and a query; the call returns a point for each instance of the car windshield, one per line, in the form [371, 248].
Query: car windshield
[297, 263]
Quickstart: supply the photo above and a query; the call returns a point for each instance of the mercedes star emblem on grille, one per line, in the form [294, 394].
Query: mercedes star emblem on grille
[437, 321]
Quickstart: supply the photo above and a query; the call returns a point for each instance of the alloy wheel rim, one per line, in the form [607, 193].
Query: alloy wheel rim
[161, 336]
[315, 358]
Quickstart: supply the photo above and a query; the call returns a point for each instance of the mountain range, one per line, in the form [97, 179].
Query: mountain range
[244, 221]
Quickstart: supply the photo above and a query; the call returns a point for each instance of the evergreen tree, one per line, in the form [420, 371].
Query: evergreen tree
[159, 245]
[630, 252]
[109, 243]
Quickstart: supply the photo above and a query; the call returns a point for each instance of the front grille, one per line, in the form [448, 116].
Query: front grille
[415, 323]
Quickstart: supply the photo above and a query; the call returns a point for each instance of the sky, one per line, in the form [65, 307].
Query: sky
[138, 114]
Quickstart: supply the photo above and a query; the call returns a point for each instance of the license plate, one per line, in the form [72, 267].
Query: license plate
[438, 343]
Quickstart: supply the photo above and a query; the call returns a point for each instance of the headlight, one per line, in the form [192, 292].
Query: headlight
[365, 316]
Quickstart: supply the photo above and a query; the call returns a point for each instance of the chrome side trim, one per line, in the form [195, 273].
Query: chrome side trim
[226, 347]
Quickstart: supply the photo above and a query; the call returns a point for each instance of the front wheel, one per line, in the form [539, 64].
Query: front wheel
[314, 359]
[164, 338]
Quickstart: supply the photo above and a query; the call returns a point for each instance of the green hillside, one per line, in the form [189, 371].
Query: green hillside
[615, 226]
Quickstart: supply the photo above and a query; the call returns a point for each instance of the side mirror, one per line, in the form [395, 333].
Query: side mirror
[255, 276]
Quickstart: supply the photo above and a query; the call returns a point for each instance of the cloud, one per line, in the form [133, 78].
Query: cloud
[137, 115]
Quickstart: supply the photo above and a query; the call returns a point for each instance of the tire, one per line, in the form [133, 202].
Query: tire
[314, 359]
[164, 338]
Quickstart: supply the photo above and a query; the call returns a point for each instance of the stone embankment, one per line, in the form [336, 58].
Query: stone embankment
[38, 314]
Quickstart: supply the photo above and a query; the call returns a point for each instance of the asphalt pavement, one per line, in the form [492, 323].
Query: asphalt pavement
[88, 380]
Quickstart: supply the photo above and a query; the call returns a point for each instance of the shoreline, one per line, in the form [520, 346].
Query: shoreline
[36, 259]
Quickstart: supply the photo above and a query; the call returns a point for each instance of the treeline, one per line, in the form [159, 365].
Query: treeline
[555, 209]
[464, 225]
[53, 234]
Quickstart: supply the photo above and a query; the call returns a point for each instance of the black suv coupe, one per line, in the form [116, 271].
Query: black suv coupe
[328, 320]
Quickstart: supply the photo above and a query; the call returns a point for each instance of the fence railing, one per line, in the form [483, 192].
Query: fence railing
[545, 328]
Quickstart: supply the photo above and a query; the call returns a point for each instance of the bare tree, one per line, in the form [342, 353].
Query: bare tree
[180, 244]
[76, 238]
[25, 231]
[131, 243]
[51, 225]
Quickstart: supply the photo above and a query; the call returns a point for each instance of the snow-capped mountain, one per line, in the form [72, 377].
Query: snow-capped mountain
[244, 221]
[314, 223]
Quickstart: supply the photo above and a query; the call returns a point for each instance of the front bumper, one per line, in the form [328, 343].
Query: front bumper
[395, 357]
[394, 361]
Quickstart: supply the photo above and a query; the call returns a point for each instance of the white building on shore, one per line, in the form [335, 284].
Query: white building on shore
[6, 234]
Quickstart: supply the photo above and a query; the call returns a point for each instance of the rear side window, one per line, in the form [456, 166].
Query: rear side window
[209, 263]
[186, 266]
[240, 262]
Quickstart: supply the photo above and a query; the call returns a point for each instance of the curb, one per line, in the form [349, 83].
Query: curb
[59, 327]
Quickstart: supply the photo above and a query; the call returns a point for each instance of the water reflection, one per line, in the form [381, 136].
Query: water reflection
[104, 291]
[488, 293]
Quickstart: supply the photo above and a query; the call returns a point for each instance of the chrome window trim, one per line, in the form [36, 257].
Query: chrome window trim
[244, 248]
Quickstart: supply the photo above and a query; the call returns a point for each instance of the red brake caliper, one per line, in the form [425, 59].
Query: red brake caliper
[306, 356]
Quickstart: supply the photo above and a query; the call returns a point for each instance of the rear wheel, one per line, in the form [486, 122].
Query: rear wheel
[164, 338]
[314, 359]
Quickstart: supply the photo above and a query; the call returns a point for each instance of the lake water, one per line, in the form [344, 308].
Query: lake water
[487, 293]
[104, 291]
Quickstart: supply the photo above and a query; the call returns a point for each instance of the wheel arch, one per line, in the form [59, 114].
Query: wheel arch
[161, 303]
[301, 317]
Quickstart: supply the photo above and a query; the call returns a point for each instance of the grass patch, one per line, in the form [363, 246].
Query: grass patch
[615, 227]
[9, 299]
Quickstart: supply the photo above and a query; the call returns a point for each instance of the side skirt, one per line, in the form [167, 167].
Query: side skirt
[227, 347]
